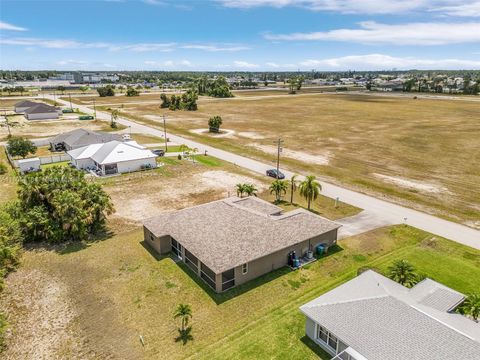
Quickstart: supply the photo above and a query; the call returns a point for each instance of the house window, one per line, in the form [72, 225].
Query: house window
[327, 338]
[244, 268]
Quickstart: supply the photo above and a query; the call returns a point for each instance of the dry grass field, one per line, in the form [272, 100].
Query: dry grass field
[420, 152]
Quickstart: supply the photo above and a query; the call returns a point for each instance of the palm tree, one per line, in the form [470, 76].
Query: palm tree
[278, 188]
[471, 306]
[403, 272]
[250, 189]
[293, 187]
[310, 189]
[184, 312]
[240, 189]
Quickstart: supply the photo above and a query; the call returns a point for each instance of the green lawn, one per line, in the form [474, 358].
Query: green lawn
[121, 291]
[61, 163]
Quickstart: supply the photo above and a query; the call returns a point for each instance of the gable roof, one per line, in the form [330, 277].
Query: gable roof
[26, 103]
[41, 109]
[230, 232]
[381, 319]
[83, 137]
[112, 152]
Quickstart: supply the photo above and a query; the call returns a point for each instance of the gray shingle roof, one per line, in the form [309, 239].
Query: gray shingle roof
[26, 103]
[224, 234]
[41, 109]
[82, 137]
[381, 320]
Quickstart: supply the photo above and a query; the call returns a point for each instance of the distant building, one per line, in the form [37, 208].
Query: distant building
[42, 111]
[79, 138]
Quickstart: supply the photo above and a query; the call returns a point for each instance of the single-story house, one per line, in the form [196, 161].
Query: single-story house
[234, 240]
[113, 157]
[374, 318]
[41, 112]
[81, 137]
[23, 105]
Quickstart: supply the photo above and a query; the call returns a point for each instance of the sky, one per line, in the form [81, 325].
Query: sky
[243, 35]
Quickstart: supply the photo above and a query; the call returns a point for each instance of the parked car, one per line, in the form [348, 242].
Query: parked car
[159, 152]
[273, 173]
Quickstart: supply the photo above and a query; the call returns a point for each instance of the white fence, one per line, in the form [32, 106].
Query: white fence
[46, 159]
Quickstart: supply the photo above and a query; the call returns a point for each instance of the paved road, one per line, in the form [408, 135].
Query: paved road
[377, 212]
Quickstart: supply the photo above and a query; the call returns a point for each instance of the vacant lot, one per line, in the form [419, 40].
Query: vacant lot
[420, 152]
[95, 301]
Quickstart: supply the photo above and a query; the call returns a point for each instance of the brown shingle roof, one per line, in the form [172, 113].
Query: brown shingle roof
[224, 234]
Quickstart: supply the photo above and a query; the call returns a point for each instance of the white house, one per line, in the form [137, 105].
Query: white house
[374, 318]
[113, 157]
[29, 165]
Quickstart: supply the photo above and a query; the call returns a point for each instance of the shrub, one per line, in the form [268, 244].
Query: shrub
[214, 124]
[3, 169]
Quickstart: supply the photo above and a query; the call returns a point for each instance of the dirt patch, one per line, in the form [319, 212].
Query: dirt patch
[153, 117]
[41, 327]
[297, 155]
[251, 135]
[412, 184]
[161, 193]
[223, 133]
[227, 181]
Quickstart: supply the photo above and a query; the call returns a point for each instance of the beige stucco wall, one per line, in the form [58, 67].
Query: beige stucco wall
[161, 245]
[279, 259]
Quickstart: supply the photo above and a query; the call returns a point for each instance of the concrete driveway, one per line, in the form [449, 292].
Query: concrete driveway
[360, 223]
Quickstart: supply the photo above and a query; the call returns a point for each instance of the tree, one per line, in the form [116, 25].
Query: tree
[132, 92]
[84, 89]
[403, 272]
[184, 313]
[471, 306]
[17, 146]
[61, 89]
[214, 124]
[278, 187]
[293, 187]
[58, 204]
[113, 119]
[292, 85]
[106, 91]
[250, 189]
[310, 189]
[240, 189]
[165, 101]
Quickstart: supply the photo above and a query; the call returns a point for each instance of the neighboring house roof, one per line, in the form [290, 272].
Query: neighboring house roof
[381, 319]
[41, 109]
[112, 152]
[83, 137]
[26, 103]
[230, 232]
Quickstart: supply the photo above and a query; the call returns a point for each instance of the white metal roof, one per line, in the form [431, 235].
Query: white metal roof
[112, 152]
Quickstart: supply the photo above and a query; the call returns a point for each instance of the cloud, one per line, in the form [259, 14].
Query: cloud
[155, 2]
[168, 63]
[449, 7]
[278, 66]
[371, 32]
[137, 47]
[244, 65]
[272, 64]
[71, 62]
[386, 62]
[215, 48]
[462, 10]
[7, 26]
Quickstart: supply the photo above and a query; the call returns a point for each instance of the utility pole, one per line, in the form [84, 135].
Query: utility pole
[94, 110]
[279, 144]
[70, 98]
[165, 133]
[8, 124]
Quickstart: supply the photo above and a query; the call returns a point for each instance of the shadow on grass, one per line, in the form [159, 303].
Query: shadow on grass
[72, 246]
[184, 336]
[322, 354]
[220, 298]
